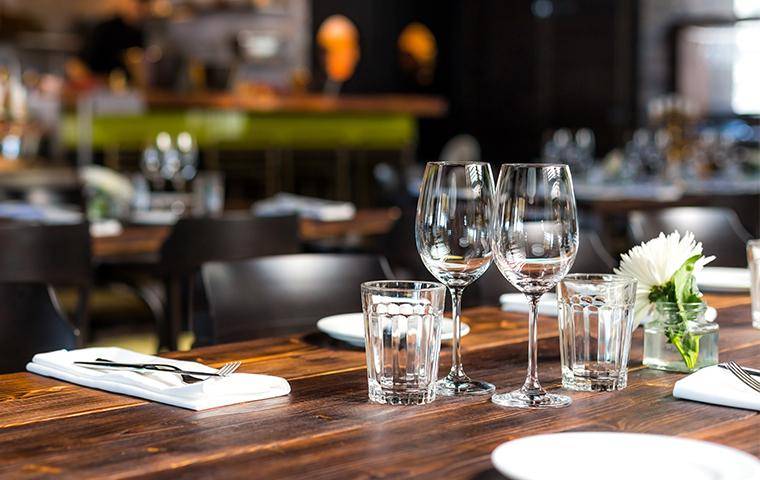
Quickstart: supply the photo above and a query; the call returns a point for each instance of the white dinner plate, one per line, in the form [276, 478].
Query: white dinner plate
[518, 302]
[154, 217]
[622, 456]
[349, 328]
[724, 279]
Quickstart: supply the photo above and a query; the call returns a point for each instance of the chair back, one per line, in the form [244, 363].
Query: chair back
[195, 241]
[719, 230]
[30, 323]
[285, 294]
[55, 254]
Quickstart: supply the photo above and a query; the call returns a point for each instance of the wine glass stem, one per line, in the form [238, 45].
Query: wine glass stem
[532, 385]
[456, 312]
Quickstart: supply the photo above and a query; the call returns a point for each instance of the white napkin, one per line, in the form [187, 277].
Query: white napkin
[156, 386]
[719, 386]
[723, 279]
[105, 228]
[307, 207]
[517, 302]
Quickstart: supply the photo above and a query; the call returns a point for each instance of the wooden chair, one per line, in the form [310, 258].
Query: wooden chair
[52, 255]
[195, 241]
[30, 323]
[719, 230]
[285, 294]
[592, 257]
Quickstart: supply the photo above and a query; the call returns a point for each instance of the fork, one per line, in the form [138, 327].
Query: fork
[223, 371]
[743, 376]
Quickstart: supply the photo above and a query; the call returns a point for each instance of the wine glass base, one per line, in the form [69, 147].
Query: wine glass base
[450, 387]
[521, 399]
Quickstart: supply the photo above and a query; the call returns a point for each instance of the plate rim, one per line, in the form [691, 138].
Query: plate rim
[320, 326]
[747, 458]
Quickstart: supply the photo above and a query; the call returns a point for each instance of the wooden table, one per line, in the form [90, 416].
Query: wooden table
[147, 240]
[326, 428]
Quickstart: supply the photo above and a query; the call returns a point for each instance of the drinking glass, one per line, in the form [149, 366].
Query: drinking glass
[753, 259]
[452, 229]
[402, 334]
[535, 240]
[595, 326]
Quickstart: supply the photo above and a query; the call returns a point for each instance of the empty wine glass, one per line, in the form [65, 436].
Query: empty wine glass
[452, 229]
[535, 240]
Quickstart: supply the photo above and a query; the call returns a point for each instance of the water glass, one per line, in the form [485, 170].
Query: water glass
[208, 194]
[402, 334]
[595, 328]
[753, 259]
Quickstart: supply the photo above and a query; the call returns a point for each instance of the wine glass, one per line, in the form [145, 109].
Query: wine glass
[535, 240]
[452, 228]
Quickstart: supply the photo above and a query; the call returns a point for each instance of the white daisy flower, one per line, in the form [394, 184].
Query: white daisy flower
[653, 263]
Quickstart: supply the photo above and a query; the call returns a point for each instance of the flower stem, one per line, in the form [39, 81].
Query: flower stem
[687, 345]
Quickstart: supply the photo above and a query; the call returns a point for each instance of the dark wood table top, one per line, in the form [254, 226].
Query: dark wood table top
[326, 428]
[146, 240]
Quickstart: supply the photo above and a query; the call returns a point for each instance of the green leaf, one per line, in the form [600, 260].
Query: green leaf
[685, 287]
[662, 293]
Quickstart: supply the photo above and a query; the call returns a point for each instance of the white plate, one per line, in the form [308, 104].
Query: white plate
[154, 217]
[723, 279]
[622, 456]
[349, 328]
[517, 302]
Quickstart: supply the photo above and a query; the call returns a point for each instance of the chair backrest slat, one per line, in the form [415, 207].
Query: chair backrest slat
[195, 241]
[719, 230]
[29, 324]
[53, 254]
[286, 293]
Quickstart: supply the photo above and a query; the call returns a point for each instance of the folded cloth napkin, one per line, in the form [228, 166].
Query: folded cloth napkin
[307, 207]
[105, 228]
[517, 302]
[719, 386]
[156, 386]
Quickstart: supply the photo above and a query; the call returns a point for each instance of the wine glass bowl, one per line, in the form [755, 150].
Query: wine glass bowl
[452, 229]
[535, 240]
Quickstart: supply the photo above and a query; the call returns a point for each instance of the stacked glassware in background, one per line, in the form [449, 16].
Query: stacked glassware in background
[675, 146]
[29, 109]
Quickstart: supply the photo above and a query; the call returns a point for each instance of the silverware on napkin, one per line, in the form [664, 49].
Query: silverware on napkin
[742, 374]
[188, 376]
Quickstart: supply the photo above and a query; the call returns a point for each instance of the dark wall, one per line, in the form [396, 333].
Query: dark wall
[510, 69]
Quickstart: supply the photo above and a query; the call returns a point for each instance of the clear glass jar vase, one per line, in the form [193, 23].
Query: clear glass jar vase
[680, 340]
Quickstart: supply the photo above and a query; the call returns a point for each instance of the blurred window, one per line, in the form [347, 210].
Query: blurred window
[718, 67]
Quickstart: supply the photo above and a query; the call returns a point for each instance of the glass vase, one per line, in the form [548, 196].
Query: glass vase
[680, 339]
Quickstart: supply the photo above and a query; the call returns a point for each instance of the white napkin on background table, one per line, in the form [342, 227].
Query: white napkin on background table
[517, 302]
[719, 386]
[160, 387]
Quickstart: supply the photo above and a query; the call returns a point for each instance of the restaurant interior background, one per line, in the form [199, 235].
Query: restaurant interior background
[134, 114]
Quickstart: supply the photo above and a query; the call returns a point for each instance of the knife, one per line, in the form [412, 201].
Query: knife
[150, 367]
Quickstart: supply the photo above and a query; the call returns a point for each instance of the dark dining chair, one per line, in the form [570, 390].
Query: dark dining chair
[30, 323]
[51, 255]
[592, 257]
[719, 230]
[285, 294]
[195, 241]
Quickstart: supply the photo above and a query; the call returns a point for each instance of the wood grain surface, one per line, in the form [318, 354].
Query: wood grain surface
[327, 429]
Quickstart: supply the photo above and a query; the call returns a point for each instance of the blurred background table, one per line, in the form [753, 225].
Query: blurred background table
[144, 240]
